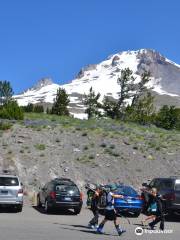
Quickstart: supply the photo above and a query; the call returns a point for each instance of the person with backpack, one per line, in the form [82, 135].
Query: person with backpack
[156, 207]
[151, 207]
[110, 213]
[93, 223]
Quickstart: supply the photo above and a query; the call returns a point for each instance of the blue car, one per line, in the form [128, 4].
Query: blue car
[131, 203]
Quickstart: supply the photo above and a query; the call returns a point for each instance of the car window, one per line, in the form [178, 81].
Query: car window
[126, 191]
[9, 181]
[152, 183]
[177, 185]
[67, 188]
[157, 184]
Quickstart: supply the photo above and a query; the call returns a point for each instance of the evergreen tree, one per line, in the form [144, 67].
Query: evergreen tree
[127, 86]
[143, 111]
[38, 109]
[168, 117]
[61, 103]
[6, 92]
[28, 108]
[92, 104]
[110, 108]
[140, 88]
[48, 111]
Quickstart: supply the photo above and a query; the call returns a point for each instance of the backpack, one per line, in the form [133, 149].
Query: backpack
[152, 207]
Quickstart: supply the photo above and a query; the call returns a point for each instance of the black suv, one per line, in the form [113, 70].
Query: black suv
[169, 189]
[60, 193]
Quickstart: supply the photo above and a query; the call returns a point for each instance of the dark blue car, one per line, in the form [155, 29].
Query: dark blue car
[132, 202]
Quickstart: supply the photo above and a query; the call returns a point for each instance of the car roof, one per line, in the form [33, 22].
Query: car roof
[8, 175]
[167, 178]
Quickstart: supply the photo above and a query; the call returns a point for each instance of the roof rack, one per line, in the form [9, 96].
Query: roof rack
[174, 176]
[7, 172]
[62, 179]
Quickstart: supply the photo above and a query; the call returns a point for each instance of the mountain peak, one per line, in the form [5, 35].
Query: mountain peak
[42, 83]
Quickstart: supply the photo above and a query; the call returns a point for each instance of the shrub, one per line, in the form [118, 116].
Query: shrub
[168, 118]
[103, 145]
[85, 147]
[11, 110]
[91, 156]
[84, 134]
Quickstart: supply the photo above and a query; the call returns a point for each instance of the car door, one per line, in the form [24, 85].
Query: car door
[43, 193]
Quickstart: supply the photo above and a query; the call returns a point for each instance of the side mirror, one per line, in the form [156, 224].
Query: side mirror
[145, 185]
[21, 184]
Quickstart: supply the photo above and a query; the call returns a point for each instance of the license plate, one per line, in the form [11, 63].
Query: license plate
[67, 199]
[4, 192]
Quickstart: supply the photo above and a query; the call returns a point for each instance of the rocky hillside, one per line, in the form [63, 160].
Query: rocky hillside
[43, 147]
[103, 78]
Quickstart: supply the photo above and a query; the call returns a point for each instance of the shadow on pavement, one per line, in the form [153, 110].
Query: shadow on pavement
[172, 218]
[8, 210]
[92, 231]
[54, 212]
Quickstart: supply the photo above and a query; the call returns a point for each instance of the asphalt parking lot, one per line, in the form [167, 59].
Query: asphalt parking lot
[34, 224]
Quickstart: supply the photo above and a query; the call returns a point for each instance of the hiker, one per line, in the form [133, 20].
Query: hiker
[155, 208]
[159, 213]
[150, 208]
[94, 208]
[110, 213]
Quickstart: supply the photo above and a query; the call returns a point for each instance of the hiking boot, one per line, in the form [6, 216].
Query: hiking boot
[151, 226]
[99, 230]
[91, 226]
[121, 231]
[96, 226]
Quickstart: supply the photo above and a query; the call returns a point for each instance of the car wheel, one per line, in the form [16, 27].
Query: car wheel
[39, 204]
[136, 214]
[19, 208]
[176, 213]
[46, 207]
[77, 210]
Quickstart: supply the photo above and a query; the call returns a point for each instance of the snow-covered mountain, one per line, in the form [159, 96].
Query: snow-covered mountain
[103, 78]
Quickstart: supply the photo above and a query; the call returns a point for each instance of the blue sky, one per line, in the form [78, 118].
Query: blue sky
[55, 38]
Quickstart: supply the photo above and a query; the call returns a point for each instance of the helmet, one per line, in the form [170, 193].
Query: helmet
[113, 187]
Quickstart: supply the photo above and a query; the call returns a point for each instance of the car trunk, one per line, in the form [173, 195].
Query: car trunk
[9, 188]
[7, 193]
[66, 193]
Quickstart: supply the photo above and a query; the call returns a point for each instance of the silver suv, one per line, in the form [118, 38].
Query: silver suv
[11, 192]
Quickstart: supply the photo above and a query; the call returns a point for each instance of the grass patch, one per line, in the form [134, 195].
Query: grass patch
[5, 126]
[111, 152]
[86, 159]
[40, 147]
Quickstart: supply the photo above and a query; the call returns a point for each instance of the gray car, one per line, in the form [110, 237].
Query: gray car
[11, 192]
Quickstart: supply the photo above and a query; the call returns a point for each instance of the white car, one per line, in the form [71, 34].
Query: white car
[11, 192]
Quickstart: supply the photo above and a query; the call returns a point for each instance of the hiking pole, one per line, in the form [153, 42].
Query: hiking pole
[120, 215]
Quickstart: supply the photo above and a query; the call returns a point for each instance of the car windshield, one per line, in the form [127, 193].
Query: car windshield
[166, 184]
[128, 191]
[9, 181]
[67, 188]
